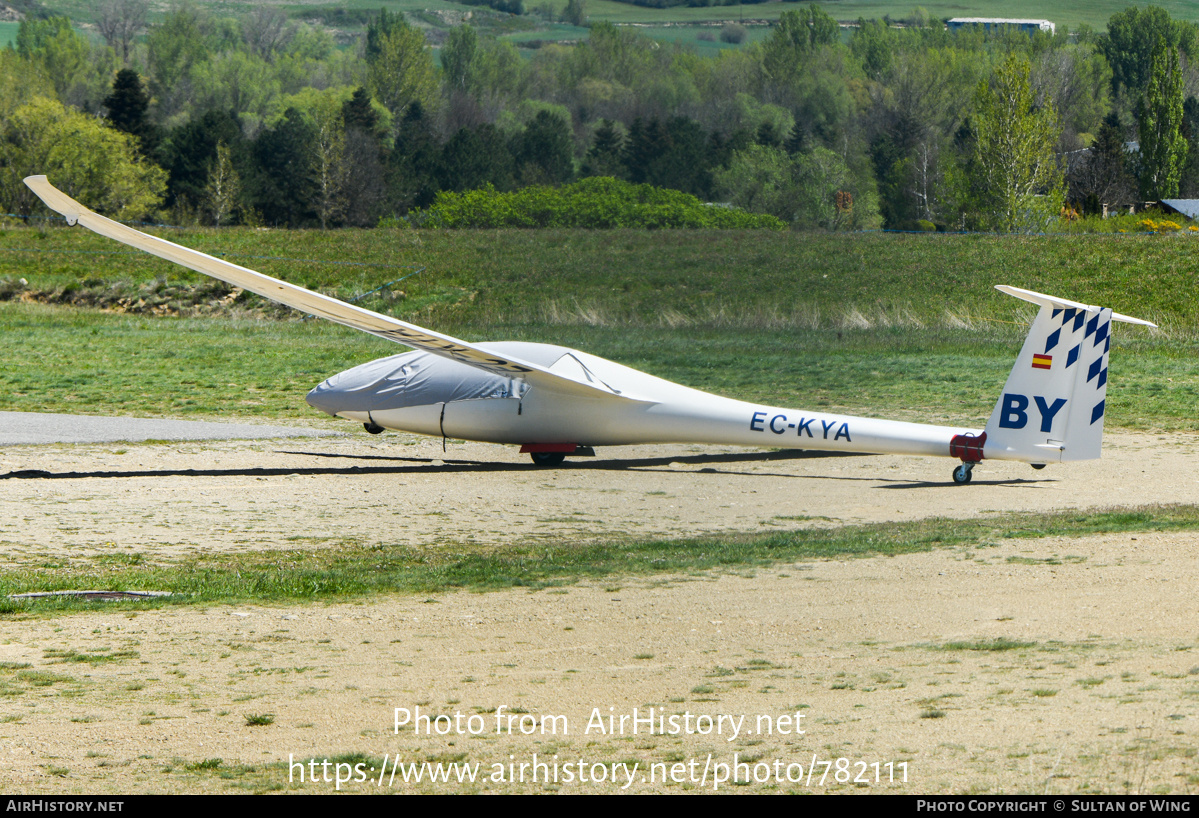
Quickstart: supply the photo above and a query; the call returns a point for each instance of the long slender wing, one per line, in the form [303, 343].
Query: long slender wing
[317, 304]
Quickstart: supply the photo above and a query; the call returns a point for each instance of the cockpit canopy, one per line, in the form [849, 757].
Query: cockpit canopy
[421, 378]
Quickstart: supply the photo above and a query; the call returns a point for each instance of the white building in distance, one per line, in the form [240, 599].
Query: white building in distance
[989, 23]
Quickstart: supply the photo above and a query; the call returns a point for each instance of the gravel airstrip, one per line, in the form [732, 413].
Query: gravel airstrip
[877, 660]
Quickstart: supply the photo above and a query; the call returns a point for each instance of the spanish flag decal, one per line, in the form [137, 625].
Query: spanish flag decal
[1042, 361]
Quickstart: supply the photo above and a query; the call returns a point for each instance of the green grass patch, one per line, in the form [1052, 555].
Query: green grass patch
[99, 657]
[353, 570]
[42, 678]
[998, 644]
[1072, 559]
[205, 765]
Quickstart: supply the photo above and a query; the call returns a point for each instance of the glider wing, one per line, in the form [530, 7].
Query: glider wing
[323, 306]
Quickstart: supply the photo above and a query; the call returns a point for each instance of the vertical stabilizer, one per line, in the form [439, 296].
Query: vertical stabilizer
[1052, 406]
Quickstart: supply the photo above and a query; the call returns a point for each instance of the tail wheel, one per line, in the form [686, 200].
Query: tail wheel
[963, 473]
[547, 459]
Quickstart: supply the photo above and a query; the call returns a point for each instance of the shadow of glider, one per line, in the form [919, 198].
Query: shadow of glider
[554, 401]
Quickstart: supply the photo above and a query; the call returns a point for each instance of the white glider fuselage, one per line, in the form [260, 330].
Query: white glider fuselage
[417, 392]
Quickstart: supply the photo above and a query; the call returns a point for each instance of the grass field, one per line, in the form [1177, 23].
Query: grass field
[722, 279]
[899, 325]
[8, 33]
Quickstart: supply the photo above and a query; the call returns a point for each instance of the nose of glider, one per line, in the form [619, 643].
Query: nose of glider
[327, 397]
[345, 393]
[362, 389]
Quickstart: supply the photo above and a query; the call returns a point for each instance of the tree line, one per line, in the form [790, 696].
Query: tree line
[265, 120]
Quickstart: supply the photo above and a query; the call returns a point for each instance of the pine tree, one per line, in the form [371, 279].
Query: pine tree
[604, 156]
[191, 149]
[414, 162]
[358, 113]
[543, 153]
[284, 188]
[127, 106]
[644, 148]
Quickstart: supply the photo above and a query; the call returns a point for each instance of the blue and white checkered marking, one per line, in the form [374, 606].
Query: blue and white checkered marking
[1097, 325]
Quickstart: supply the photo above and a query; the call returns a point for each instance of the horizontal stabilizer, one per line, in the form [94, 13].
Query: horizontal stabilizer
[1065, 304]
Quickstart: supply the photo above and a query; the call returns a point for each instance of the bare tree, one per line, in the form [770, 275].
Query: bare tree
[926, 180]
[224, 185]
[1075, 82]
[266, 30]
[119, 22]
[329, 160]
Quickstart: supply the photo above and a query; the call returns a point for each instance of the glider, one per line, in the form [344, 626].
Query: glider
[553, 401]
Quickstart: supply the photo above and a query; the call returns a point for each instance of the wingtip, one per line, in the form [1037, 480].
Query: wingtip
[1128, 319]
[55, 199]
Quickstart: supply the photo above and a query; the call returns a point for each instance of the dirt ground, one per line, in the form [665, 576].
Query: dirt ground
[889, 666]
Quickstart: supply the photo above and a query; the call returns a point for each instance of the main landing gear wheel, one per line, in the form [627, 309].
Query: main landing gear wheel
[373, 428]
[547, 459]
[963, 473]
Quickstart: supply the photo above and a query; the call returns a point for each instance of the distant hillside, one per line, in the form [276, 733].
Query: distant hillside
[351, 15]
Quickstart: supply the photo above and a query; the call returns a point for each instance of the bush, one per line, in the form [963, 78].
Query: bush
[1119, 223]
[1163, 226]
[732, 33]
[597, 203]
